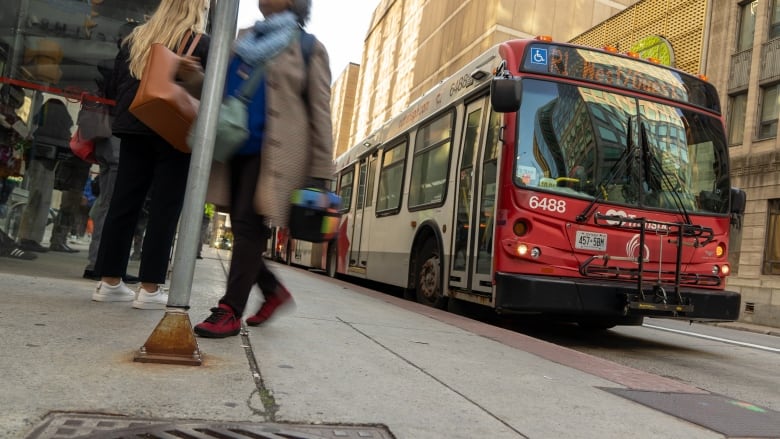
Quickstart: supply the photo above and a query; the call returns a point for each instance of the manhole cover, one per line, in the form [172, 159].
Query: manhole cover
[728, 416]
[95, 426]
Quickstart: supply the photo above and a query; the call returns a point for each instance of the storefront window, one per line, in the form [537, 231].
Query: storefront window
[54, 54]
[63, 43]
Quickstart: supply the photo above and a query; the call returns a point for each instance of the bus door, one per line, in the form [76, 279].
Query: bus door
[470, 221]
[487, 191]
[363, 202]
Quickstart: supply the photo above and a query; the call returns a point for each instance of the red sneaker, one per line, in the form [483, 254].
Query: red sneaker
[220, 324]
[272, 303]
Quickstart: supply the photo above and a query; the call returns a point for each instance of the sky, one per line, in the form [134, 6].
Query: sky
[341, 25]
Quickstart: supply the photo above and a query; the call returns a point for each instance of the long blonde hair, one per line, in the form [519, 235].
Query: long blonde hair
[168, 24]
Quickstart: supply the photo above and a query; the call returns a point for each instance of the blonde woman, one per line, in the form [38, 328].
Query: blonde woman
[147, 163]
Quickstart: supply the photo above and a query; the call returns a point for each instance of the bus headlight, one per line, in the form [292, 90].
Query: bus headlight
[522, 250]
[725, 269]
[715, 270]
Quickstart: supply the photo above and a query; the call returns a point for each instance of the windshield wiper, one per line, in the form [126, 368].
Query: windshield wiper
[616, 169]
[652, 159]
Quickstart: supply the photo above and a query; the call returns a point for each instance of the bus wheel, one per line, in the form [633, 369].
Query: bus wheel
[332, 260]
[428, 281]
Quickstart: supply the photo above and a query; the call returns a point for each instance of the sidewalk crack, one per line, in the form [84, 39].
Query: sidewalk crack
[429, 375]
[270, 407]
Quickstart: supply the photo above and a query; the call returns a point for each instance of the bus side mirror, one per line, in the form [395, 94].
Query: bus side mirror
[505, 94]
[738, 201]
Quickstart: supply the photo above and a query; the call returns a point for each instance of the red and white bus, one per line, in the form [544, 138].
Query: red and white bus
[551, 179]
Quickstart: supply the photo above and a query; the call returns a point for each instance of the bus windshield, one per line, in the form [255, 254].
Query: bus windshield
[595, 144]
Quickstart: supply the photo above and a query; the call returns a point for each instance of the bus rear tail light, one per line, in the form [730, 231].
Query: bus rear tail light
[521, 227]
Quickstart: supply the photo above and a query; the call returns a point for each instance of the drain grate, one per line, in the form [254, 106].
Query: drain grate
[728, 416]
[97, 426]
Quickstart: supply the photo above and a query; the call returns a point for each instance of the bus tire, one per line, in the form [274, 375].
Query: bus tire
[428, 275]
[331, 263]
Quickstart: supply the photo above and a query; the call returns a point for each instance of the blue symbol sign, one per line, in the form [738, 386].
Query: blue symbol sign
[538, 56]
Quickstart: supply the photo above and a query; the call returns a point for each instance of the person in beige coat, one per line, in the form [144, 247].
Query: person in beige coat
[290, 146]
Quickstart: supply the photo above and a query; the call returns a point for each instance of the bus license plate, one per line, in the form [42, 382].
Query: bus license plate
[591, 241]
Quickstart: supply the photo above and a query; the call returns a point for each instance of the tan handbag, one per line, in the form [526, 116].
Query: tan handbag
[160, 103]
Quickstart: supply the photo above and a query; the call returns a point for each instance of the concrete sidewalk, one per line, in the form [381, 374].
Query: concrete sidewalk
[349, 361]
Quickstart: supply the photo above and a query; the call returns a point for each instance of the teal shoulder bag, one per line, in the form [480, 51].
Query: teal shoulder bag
[233, 122]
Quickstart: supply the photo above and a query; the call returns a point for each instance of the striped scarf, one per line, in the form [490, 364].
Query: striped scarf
[267, 38]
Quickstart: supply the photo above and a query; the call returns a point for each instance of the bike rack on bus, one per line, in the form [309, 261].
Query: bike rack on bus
[656, 298]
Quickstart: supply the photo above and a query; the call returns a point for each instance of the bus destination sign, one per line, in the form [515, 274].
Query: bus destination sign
[616, 71]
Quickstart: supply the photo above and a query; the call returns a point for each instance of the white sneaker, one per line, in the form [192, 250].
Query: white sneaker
[146, 300]
[113, 293]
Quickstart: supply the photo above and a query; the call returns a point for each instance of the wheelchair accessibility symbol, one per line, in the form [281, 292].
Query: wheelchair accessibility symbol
[538, 56]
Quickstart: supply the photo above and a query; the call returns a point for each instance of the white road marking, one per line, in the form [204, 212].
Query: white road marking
[709, 337]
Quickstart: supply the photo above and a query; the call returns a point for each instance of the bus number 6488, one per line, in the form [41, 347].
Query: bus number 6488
[548, 204]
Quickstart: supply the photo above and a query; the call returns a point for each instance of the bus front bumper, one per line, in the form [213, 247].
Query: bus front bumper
[586, 297]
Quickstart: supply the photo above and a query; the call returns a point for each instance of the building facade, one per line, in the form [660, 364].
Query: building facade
[744, 63]
[411, 45]
[671, 31]
[342, 104]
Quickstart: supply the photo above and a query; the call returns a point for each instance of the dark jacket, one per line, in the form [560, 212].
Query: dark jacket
[54, 121]
[52, 135]
[123, 88]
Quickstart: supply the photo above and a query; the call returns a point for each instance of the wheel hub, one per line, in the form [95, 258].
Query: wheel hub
[429, 278]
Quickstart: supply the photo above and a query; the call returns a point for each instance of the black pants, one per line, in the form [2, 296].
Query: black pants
[144, 162]
[250, 236]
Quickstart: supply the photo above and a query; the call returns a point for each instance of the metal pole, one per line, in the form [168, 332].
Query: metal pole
[202, 152]
[15, 55]
[173, 341]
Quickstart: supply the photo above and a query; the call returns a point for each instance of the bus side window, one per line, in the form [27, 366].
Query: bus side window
[391, 175]
[345, 190]
[370, 184]
[430, 164]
